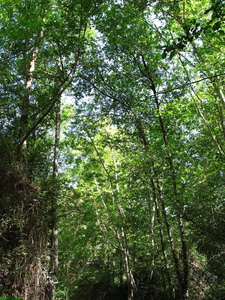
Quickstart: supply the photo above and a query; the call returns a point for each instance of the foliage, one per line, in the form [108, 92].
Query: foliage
[135, 182]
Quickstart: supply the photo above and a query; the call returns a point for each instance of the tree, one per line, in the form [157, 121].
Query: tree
[37, 67]
[146, 86]
[139, 195]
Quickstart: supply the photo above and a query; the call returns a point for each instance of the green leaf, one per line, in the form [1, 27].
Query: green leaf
[158, 57]
[172, 54]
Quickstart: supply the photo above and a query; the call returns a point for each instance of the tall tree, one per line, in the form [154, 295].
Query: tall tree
[141, 204]
[37, 67]
[147, 83]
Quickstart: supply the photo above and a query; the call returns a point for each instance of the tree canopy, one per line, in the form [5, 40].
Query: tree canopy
[112, 149]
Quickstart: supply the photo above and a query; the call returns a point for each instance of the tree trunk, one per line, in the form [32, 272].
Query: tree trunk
[157, 210]
[53, 269]
[182, 279]
[25, 102]
[162, 238]
[131, 284]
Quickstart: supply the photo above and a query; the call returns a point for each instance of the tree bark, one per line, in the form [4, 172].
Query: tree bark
[26, 98]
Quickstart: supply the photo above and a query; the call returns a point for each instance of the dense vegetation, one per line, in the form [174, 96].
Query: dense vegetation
[112, 149]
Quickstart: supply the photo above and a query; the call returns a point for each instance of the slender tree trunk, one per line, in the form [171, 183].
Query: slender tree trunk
[172, 246]
[182, 279]
[152, 215]
[57, 139]
[54, 249]
[162, 238]
[53, 269]
[132, 288]
[157, 210]
[26, 98]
